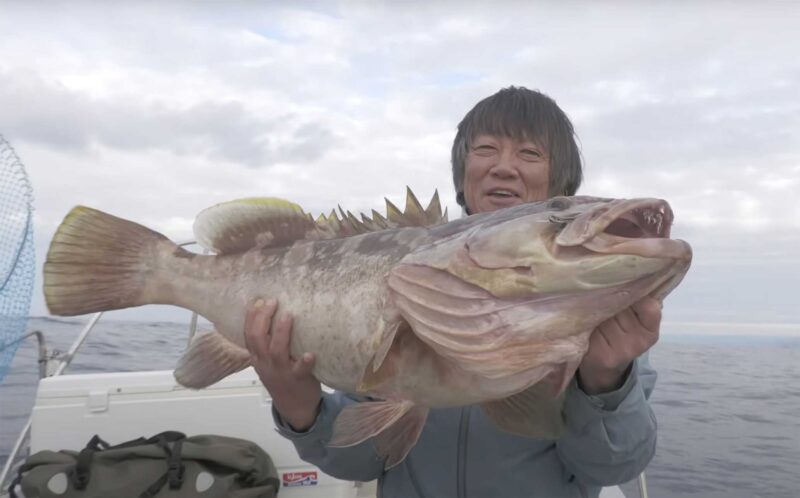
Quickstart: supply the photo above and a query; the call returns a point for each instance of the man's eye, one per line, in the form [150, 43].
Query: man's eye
[484, 149]
[531, 154]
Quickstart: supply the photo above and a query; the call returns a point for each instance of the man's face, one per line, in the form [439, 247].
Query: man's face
[501, 172]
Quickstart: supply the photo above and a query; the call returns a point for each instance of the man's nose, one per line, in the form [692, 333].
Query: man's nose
[505, 166]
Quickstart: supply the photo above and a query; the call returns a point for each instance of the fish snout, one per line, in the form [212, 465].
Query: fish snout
[619, 220]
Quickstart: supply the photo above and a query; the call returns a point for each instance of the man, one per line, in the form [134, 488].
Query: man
[513, 147]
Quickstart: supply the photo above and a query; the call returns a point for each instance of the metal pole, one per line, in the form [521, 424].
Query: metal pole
[642, 485]
[193, 320]
[42, 350]
[14, 452]
[67, 359]
[77, 344]
[192, 327]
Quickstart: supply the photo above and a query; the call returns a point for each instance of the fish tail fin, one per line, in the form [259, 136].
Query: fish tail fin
[98, 262]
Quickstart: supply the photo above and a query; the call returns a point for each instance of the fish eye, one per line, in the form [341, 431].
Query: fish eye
[558, 203]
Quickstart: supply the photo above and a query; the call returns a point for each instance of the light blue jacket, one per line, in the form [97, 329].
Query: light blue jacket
[610, 439]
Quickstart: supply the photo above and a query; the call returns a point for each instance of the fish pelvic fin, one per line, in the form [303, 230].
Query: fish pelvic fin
[210, 358]
[98, 262]
[394, 425]
[536, 412]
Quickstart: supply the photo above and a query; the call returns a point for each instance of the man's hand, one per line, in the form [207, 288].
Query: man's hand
[615, 343]
[295, 391]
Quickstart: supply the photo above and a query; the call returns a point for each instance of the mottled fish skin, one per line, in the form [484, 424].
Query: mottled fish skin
[542, 275]
[336, 290]
[493, 309]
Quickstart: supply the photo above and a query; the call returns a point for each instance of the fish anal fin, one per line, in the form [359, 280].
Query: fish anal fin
[361, 421]
[210, 358]
[396, 441]
[243, 224]
[397, 425]
[534, 412]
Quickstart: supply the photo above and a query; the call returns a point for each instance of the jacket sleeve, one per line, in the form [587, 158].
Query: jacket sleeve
[611, 437]
[357, 463]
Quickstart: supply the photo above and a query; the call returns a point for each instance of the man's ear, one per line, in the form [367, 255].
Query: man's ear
[463, 203]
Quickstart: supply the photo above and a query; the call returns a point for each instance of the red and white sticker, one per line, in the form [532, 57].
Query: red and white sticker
[291, 479]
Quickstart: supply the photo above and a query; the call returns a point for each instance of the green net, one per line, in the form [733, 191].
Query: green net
[17, 263]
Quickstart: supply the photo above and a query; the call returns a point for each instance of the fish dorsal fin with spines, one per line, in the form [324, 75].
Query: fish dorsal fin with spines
[244, 224]
[345, 224]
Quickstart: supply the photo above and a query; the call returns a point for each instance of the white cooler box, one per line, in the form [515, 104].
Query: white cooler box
[70, 409]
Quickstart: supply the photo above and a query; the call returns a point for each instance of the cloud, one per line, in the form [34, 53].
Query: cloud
[52, 115]
[154, 113]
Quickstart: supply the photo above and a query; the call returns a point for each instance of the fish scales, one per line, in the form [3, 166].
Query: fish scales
[493, 309]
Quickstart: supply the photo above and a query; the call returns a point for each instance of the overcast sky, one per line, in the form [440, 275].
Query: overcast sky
[154, 112]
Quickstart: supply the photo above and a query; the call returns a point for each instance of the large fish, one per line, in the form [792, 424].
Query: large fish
[493, 309]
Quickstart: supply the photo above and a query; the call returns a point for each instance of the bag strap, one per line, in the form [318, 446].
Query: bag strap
[175, 466]
[83, 466]
[168, 436]
[18, 479]
[81, 474]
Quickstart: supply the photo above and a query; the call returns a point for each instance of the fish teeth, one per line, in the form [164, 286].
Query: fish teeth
[653, 219]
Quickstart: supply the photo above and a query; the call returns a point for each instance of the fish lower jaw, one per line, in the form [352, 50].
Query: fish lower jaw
[661, 290]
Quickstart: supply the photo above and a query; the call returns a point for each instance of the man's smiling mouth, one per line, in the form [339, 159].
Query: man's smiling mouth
[502, 193]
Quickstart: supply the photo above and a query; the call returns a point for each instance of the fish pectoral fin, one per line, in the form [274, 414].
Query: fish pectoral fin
[534, 412]
[210, 358]
[387, 339]
[396, 426]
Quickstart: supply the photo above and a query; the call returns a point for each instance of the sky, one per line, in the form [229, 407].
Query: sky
[155, 111]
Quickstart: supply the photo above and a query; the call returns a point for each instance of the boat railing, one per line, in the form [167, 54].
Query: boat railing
[63, 360]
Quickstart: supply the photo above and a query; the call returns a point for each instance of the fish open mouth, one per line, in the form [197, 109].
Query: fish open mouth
[635, 226]
[622, 219]
[644, 221]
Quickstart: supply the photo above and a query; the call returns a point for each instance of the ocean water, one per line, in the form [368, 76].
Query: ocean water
[728, 407]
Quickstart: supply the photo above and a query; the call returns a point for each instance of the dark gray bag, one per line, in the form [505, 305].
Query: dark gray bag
[168, 464]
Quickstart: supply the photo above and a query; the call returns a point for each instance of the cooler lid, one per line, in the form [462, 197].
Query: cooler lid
[157, 381]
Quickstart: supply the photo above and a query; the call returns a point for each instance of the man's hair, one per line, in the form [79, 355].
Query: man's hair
[522, 114]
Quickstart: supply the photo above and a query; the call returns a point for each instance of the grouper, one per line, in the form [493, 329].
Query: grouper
[407, 309]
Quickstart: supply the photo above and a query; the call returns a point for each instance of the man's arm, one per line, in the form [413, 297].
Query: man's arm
[611, 429]
[359, 463]
[610, 437]
[302, 412]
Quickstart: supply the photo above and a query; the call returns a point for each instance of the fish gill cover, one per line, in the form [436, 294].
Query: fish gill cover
[16, 253]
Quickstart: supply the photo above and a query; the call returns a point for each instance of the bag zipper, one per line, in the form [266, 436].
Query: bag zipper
[463, 432]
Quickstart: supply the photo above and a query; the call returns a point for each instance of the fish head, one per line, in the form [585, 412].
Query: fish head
[514, 294]
[569, 245]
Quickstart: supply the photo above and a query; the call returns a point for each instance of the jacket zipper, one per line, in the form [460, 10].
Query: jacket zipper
[461, 474]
